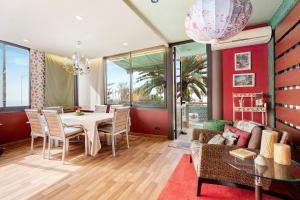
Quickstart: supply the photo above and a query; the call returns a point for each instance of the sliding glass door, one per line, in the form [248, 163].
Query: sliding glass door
[191, 83]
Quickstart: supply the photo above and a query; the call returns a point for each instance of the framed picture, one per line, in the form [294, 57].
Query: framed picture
[242, 61]
[244, 80]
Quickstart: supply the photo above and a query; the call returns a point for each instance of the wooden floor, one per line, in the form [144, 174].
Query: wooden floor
[136, 173]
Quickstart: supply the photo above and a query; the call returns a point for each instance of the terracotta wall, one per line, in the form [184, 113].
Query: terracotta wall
[15, 127]
[287, 76]
[259, 60]
[149, 121]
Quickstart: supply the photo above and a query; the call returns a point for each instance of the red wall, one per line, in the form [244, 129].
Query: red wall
[15, 127]
[259, 66]
[149, 121]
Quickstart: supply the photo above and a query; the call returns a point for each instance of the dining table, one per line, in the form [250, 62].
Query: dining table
[90, 122]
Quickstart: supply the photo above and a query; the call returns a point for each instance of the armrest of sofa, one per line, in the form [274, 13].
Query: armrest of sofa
[204, 135]
[209, 164]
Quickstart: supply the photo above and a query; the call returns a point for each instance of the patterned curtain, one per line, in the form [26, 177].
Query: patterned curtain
[37, 68]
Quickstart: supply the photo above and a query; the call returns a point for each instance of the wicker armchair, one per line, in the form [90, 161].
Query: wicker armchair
[210, 167]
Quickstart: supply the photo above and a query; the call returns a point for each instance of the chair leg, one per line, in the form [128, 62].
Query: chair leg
[127, 140]
[44, 145]
[49, 148]
[32, 141]
[67, 145]
[199, 185]
[64, 151]
[85, 144]
[113, 145]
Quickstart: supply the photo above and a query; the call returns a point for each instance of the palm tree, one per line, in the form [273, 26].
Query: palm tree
[193, 77]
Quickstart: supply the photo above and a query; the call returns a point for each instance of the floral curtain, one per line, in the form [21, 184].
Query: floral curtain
[37, 69]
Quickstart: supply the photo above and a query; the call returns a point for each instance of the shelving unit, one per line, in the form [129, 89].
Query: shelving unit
[250, 109]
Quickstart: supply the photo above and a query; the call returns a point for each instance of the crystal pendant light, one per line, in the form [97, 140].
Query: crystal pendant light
[78, 64]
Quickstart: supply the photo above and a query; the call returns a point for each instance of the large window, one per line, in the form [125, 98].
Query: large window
[14, 77]
[118, 80]
[137, 78]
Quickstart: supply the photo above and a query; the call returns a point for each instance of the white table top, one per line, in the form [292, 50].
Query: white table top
[90, 122]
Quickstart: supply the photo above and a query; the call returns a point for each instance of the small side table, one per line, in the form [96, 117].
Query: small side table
[1, 148]
[271, 171]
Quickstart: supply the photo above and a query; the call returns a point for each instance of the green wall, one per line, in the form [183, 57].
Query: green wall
[283, 10]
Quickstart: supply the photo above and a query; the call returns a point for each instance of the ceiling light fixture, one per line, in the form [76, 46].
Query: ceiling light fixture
[209, 21]
[154, 1]
[26, 40]
[79, 18]
[125, 44]
[80, 64]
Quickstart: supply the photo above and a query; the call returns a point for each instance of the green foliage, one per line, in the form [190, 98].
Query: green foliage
[194, 78]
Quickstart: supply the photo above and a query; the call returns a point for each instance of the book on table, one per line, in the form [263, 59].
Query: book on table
[242, 153]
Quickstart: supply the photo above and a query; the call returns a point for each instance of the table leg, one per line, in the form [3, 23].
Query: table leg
[258, 188]
[108, 139]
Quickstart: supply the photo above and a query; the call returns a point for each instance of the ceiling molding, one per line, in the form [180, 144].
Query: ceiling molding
[145, 20]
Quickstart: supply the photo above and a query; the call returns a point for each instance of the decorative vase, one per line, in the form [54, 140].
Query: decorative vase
[269, 138]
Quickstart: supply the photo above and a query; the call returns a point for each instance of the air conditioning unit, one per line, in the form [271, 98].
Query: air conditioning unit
[246, 38]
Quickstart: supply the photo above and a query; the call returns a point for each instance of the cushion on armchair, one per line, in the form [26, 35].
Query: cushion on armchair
[244, 136]
[217, 125]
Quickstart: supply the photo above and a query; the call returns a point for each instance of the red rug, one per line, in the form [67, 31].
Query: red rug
[183, 183]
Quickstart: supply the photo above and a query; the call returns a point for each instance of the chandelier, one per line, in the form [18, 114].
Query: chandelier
[79, 64]
[211, 20]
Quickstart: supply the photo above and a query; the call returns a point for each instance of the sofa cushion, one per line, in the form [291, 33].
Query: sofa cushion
[230, 137]
[217, 139]
[216, 125]
[255, 139]
[245, 125]
[244, 136]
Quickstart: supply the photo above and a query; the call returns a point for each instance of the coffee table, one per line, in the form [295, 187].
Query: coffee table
[271, 170]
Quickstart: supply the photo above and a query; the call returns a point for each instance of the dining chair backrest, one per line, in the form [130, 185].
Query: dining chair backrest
[120, 120]
[35, 121]
[113, 107]
[54, 124]
[100, 108]
[59, 109]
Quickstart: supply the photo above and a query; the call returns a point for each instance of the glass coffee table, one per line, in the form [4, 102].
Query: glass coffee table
[270, 170]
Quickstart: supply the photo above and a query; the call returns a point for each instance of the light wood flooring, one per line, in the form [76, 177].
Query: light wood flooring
[136, 173]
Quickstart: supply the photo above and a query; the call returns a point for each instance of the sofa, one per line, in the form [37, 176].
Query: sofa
[208, 162]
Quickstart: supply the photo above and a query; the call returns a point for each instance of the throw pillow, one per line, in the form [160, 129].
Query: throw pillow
[255, 140]
[217, 125]
[246, 125]
[217, 139]
[230, 137]
[244, 136]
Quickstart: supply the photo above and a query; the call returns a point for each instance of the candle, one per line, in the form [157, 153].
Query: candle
[282, 154]
[269, 138]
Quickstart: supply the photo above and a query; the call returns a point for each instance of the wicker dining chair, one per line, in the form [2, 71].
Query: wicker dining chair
[59, 109]
[113, 107]
[60, 132]
[119, 125]
[38, 128]
[100, 108]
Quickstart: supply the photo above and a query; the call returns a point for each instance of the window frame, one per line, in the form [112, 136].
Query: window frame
[17, 108]
[129, 54]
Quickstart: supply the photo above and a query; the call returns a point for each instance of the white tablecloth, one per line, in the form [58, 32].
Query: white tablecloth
[90, 122]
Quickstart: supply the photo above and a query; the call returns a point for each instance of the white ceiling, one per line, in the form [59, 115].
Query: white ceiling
[167, 16]
[51, 26]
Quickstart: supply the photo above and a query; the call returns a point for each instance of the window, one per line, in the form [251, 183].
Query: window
[148, 78]
[14, 77]
[118, 80]
[137, 78]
